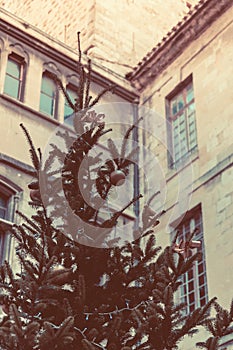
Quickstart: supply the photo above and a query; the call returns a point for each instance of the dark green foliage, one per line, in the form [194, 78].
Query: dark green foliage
[69, 295]
[219, 326]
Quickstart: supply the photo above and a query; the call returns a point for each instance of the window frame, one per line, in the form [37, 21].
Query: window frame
[3, 206]
[11, 192]
[180, 89]
[193, 275]
[226, 340]
[74, 89]
[20, 61]
[54, 99]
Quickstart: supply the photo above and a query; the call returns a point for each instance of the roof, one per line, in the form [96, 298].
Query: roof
[177, 39]
[27, 34]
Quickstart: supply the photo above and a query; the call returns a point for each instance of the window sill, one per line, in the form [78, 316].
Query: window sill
[23, 106]
[5, 224]
[190, 158]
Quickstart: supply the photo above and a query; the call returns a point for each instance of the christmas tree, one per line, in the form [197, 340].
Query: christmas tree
[78, 287]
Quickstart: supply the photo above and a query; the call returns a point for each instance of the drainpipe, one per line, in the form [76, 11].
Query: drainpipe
[136, 183]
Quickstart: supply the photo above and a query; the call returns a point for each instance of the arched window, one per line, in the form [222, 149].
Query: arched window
[68, 111]
[48, 95]
[15, 76]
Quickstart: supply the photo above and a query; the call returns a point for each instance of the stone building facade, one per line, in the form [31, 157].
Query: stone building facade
[29, 96]
[185, 86]
[115, 33]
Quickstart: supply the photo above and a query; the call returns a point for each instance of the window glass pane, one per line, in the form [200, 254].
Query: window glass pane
[175, 123]
[182, 119]
[180, 102]
[2, 213]
[182, 116]
[191, 286]
[194, 281]
[3, 207]
[183, 289]
[191, 119]
[192, 225]
[48, 86]
[48, 95]
[190, 274]
[174, 107]
[68, 110]
[191, 298]
[192, 136]
[191, 109]
[46, 104]
[11, 86]
[192, 127]
[13, 68]
[192, 307]
[177, 156]
[202, 292]
[176, 136]
[203, 302]
[200, 268]
[3, 202]
[190, 95]
[201, 280]
[182, 152]
[176, 144]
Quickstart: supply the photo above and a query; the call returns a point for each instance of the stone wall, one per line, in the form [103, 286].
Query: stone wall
[117, 33]
[209, 60]
[209, 181]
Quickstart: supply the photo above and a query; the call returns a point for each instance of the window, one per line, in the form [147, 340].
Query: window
[68, 111]
[14, 77]
[226, 346]
[9, 197]
[182, 135]
[4, 227]
[226, 342]
[193, 290]
[3, 207]
[48, 95]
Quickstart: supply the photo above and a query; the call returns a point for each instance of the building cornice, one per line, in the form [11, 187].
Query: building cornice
[16, 164]
[63, 54]
[177, 40]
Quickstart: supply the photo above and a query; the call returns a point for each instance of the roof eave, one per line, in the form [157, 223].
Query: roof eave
[176, 42]
[44, 44]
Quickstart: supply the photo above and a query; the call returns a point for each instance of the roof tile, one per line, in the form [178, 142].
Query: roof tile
[172, 32]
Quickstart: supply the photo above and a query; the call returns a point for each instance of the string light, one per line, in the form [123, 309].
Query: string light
[82, 333]
[117, 311]
[184, 247]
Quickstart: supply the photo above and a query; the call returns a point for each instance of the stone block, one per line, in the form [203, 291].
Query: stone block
[223, 203]
[229, 214]
[220, 217]
[227, 178]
